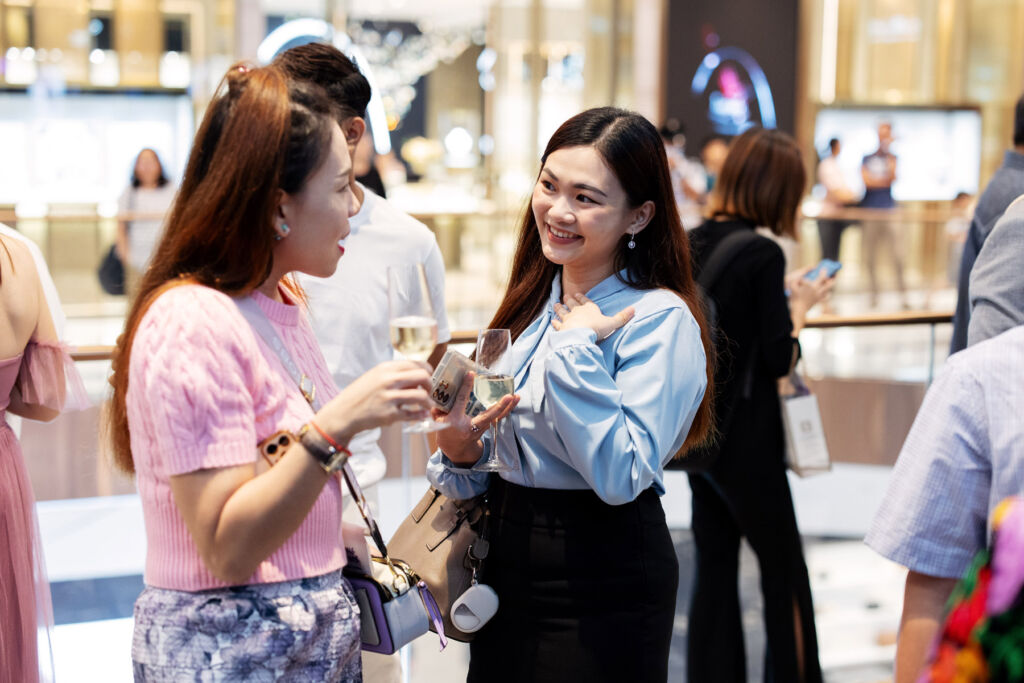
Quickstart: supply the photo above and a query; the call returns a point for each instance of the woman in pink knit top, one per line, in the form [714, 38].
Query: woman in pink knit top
[243, 562]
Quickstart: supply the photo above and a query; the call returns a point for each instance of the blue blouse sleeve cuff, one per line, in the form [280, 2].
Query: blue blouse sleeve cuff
[574, 337]
[458, 483]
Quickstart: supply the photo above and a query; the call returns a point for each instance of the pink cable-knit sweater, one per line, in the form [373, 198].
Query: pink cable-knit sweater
[203, 390]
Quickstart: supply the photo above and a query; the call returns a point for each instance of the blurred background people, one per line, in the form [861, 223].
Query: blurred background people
[349, 309]
[688, 178]
[34, 370]
[150, 194]
[838, 196]
[878, 171]
[745, 493]
[1006, 185]
[713, 150]
[957, 226]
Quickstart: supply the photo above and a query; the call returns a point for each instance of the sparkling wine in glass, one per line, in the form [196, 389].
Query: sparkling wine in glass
[412, 322]
[492, 382]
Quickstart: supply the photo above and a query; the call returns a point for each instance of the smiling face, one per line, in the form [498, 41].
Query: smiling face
[583, 213]
[317, 215]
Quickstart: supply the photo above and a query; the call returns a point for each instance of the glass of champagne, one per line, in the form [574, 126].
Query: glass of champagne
[413, 324]
[493, 381]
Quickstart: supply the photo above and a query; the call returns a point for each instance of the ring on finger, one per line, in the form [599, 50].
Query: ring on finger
[474, 428]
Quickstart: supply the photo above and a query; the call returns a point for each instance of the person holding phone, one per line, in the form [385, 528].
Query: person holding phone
[611, 369]
[745, 493]
[243, 559]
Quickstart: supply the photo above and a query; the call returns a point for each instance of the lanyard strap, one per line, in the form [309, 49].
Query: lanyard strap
[257, 319]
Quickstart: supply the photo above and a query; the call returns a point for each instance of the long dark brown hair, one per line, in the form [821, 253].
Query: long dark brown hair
[260, 134]
[762, 181]
[633, 150]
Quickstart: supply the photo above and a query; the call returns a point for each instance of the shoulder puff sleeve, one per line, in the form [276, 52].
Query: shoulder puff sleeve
[620, 427]
[48, 377]
[192, 380]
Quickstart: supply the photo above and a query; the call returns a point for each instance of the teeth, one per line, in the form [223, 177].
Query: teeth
[561, 234]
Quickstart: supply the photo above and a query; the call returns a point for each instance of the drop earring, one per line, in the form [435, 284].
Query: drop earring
[632, 242]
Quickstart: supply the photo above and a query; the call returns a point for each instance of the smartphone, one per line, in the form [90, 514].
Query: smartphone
[828, 265]
[274, 446]
[447, 378]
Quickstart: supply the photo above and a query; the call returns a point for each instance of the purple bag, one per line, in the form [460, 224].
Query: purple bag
[394, 609]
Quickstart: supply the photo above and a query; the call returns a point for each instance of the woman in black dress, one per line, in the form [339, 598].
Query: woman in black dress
[745, 494]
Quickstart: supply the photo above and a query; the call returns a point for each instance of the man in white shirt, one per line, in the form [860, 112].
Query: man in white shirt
[837, 196]
[349, 310]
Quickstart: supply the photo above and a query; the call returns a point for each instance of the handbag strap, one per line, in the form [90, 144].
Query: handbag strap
[257, 319]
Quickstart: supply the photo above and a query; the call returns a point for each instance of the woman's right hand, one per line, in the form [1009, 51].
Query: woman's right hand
[391, 392]
[804, 294]
[461, 441]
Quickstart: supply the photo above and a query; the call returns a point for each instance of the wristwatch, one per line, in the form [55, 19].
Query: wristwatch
[329, 457]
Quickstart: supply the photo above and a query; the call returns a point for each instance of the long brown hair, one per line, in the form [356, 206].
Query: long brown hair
[762, 181]
[260, 134]
[633, 150]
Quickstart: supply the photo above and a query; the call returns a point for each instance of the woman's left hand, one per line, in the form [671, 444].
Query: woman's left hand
[580, 311]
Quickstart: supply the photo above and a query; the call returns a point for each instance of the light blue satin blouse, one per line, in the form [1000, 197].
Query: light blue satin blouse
[600, 415]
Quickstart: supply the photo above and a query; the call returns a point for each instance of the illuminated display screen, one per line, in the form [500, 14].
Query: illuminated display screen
[80, 147]
[731, 65]
[938, 150]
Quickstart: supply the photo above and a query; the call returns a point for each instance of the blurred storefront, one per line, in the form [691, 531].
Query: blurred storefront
[468, 94]
[469, 91]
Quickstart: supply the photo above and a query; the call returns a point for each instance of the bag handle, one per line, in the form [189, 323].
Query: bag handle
[257, 319]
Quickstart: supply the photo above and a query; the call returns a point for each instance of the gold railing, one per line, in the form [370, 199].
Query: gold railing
[97, 353]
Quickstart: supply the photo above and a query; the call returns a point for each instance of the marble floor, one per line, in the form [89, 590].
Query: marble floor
[95, 553]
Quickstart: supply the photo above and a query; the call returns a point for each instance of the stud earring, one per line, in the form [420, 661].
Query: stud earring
[283, 233]
[632, 242]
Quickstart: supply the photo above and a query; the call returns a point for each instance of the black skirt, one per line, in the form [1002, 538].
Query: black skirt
[587, 590]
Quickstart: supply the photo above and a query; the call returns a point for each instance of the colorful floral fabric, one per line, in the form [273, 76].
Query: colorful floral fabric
[982, 637]
[302, 630]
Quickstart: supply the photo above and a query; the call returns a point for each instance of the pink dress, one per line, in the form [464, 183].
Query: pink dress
[26, 617]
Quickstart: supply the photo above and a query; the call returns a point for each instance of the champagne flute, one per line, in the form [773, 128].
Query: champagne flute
[493, 381]
[412, 322]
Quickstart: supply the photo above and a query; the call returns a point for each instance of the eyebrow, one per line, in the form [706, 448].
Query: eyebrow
[581, 186]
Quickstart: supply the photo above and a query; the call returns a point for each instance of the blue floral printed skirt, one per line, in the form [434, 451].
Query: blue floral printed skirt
[302, 630]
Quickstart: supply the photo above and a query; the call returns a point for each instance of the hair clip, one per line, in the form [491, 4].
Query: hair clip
[243, 68]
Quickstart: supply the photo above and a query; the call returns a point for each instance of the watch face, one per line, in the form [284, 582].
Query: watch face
[330, 458]
[336, 462]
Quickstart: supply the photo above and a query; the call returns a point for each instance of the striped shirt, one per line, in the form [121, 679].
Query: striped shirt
[964, 454]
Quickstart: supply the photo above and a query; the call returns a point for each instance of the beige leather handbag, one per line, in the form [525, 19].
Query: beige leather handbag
[443, 539]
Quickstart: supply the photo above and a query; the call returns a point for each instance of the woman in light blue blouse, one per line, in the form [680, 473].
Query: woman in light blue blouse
[612, 380]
